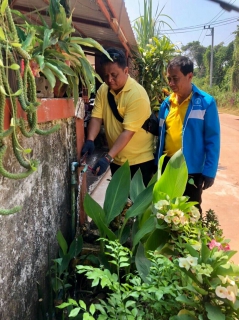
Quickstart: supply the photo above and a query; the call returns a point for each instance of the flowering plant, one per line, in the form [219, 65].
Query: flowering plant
[210, 282]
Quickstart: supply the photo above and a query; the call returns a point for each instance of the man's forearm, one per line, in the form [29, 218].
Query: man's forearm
[121, 142]
[93, 128]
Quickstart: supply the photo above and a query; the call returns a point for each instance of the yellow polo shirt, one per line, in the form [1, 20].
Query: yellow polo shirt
[174, 124]
[134, 107]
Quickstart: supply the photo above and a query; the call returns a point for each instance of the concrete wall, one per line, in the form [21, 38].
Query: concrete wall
[24, 236]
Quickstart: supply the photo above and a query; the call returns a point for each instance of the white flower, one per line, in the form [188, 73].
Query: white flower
[171, 213]
[221, 292]
[192, 260]
[160, 216]
[176, 220]
[183, 220]
[183, 263]
[231, 293]
[167, 219]
[160, 204]
[195, 213]
[226, 279]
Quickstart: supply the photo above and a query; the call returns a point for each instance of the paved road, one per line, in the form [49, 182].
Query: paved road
[223, 196]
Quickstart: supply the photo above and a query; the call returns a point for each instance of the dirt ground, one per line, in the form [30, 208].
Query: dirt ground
[223, 196]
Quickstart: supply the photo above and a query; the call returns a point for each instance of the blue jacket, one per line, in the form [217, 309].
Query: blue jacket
[200, 134]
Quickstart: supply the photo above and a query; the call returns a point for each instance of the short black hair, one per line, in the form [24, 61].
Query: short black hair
[118, 56]
[183, 62]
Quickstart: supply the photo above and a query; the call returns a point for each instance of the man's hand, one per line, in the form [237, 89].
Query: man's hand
[207, 182]
[88, 147]
[100, 167]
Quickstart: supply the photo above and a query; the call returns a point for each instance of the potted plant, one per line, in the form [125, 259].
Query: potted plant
[56, 53]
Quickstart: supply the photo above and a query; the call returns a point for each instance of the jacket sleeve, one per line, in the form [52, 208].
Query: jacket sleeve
[211, 139]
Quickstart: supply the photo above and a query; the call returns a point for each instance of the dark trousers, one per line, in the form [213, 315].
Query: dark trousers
[193, 191]
[145, 167]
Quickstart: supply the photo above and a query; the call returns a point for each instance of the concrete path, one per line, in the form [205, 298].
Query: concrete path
[223, 196]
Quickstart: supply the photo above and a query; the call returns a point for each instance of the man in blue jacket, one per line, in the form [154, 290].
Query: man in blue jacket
[188, 120]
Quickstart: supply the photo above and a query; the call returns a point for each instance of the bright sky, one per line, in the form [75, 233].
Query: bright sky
[191, 16]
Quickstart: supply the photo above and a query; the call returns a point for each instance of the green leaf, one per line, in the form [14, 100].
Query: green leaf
[146, 228]
[62, 242]
[176, 171]
[214, 312]
[1, 63]
[76, 247]
[58, 73]
[16, 44]
[97, 214]
[17, 93]
[4, 6]
[74, 312]
[141, 203]
[50, 76]
[27, 151]
[14, 66]
[142, 263]
[64, 305]
[136, 185]
[82, 304]
[157, 240]
[117, 193]
[2, 90]
[183, 299]
[92, 309]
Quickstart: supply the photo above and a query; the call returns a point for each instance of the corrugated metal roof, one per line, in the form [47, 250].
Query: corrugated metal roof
[106, 21]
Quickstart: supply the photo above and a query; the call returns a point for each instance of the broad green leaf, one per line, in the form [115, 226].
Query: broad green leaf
[58, 73]
[141, 203]
[142, 263]
[1, 63]
[50, 77]
[62, 242]
[136, 185]
[214, 312]
[62, 66]
[95, 212]
[117, 193]
[146, 228]
[76, 247]
[17, 93]
[157, 240]
[176, 171]
[64, 305]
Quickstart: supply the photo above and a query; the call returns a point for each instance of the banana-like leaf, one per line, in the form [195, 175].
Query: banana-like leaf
[141, 203]
[117, 193]
[176, 171]
[137, 185]
[157, 240]
[148, 227]
[142, 263]
[97, 214]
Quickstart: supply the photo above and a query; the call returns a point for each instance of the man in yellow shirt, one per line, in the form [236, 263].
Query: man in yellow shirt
[127, 140]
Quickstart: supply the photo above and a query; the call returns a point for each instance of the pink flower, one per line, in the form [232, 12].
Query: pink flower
[226, 247]
[214, 244]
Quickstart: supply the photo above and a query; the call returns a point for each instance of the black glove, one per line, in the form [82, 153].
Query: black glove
[102, 164]
[207, 182]
[88, 147]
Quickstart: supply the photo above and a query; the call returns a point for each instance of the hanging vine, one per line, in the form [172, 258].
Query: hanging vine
[14, 64]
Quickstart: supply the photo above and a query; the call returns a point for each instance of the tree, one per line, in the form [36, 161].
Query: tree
[195, 51]
[235, 74]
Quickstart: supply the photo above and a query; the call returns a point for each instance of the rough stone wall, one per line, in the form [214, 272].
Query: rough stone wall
[25, 236]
